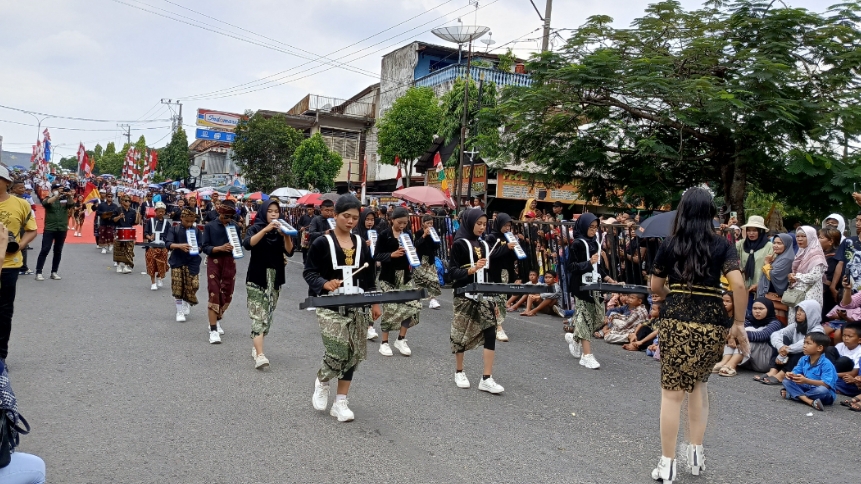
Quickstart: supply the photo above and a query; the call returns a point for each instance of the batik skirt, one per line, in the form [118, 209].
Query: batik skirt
[425, 276]
[588, 317]
[124, 253]
[220, 281]
[156, 262]
[344, 339]
[106, 234]
[471, 319]
[184, 284]
[397, 315]
[261, 304]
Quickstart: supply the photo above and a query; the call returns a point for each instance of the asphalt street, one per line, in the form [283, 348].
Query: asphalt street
[116, 391]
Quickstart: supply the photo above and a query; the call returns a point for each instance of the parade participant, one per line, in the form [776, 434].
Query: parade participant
[176, 213]
[184, 266]
[474, 320]
[425, 275]
[220, 268]
[210, 205]
[343, 332]
[55, 231]
[79, 213]
[106, 213]
[268, 246]
[124, 251]
[148, 202]
[320, 226]
[395, 276]
[198, 213]
[156, 257]
[212, 214]
[367, 220]
[503, 266]
[304, 225]
[694, 326]
[17, 216]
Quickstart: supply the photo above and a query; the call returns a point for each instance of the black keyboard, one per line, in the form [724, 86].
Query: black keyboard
[498, 288]
[620, 288]
[366, 299]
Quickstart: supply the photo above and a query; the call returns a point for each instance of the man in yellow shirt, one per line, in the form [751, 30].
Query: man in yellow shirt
[16, 215]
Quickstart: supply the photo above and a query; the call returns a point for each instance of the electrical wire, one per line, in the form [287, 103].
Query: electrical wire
[73, 129]
[56, 116]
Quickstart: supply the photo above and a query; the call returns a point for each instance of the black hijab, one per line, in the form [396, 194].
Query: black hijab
[261, 213]
[750, 247]
[502, 219]
[467, 225]
[360, 228]
[769, 315]
[581, 227]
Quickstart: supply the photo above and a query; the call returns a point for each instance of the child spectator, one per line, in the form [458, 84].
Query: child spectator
[789, 341]
[545, 301]
[847, 355]
[617, 305]
[760, 325]
[515, 302]
[813, 379]
[848, 310]
[644, 334]
[621, 326]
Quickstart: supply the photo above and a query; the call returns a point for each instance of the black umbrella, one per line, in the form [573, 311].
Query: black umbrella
[657, 226]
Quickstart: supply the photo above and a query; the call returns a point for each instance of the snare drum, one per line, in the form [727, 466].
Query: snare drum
[126, 234]
[150, 212]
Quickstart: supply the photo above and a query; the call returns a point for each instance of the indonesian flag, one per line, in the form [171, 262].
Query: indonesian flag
[400, 180]
[437, 162]
[84, 161]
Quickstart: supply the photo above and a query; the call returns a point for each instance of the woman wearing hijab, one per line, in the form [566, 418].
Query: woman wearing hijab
[503, 261]
[808, 267]
[775, 272]
[268, 246]
[753, 250]
[367, 222]
[589, 313]
[425, 275]
[789, 341]
[760, 324]
[474, 320]
[395, 275]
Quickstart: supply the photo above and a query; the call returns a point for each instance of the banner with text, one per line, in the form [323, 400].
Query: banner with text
[516, 185]
[479, 179]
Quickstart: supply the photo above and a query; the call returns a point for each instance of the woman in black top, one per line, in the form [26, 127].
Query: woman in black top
[367, 221]
[503, 263]
[693, 325]
[395, 275]
[425, 275]
[268, 246]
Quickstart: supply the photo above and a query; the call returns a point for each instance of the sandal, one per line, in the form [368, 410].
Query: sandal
[717, 368]
[817, 404]
[759, 378]
[770, 380]
[855, 407]
[727, 371]
[849, 401]
[599, 334]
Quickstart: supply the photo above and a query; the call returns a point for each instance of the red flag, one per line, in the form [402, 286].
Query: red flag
[400, 183]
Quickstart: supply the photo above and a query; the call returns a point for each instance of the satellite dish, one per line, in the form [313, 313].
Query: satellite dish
[194, 170]
[489, 40]
[460, 34]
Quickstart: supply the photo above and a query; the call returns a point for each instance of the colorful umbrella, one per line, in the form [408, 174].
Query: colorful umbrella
[309, 198]
[257, 196]
[429, 196]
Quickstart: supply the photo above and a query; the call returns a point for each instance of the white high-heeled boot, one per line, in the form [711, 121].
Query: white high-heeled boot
[696, 459]
[666, 470]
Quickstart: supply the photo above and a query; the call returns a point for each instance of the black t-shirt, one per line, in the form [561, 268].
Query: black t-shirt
[724, 259]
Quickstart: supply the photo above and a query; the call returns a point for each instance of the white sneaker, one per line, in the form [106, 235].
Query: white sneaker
[500, 335]
[180, 318]
[214, 339]
[574, 347]
[115, 263]
[401, 345]
[385, 349]
[372, 333]
[186, 308]
[218, 325]
[490, 386]
[589, 361]
[461, 380]
[342, 411]
[126, 269]
[39, 277]
[311, 309]
[104, 250]
[261, 362]
[119, 268]
[253, 353]
[55, 276]
[154, 287]
[320, 399]
[433, 304]
[110, 248]
[159, 282]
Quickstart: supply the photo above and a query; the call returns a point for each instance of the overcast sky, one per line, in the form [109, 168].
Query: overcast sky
[110, 60]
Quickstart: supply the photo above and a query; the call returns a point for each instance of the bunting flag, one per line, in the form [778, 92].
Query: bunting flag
[84, 165]
[400, 183]
[46, 145]
[437, 162]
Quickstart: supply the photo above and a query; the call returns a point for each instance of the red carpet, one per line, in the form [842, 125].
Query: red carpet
[86, 232]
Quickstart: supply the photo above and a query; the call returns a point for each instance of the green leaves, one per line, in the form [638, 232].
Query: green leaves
[315, 165]
[263, 150]
[408, 128]
[174, 158]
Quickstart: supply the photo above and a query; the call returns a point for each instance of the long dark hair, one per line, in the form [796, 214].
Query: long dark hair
[693, 233]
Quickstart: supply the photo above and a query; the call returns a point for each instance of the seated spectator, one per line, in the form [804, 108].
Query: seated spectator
[644, 334]
[515, 301]
[545, 301]
[847, 311]
[813, 379]
[789, 341]
[618, 305]
[761, 324]
[845, 357]
[620, 327]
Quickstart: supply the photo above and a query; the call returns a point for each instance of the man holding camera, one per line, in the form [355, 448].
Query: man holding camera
[56, 227]
[16, 215]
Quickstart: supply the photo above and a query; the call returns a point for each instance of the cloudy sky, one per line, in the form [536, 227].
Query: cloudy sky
[114, 60]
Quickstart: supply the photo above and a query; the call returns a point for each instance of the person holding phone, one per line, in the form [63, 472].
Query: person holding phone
[57, 207]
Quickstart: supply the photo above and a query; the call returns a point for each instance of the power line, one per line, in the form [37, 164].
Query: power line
[56, 116]
[73, 129]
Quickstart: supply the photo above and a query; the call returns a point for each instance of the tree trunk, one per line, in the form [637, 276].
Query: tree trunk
[409, 173]
[734, 184]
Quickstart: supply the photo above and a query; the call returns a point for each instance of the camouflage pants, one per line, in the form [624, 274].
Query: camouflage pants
[345, 341]
[261, 304]
[471, 318]
[396, 315]
[425, 276]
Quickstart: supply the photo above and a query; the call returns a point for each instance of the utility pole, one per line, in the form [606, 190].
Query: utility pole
[128, 130]
[545, 42]
[176, 120]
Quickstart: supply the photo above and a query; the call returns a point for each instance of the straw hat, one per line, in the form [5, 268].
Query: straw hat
[755, 221]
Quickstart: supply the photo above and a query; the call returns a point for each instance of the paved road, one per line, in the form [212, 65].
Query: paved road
[118, 392]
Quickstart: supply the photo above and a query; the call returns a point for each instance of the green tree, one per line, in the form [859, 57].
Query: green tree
[737, 93]
[173, 159]
[315, 165]
[407, 129]
[482, 119]
[69, 163]
[263, 150]
[111, 162]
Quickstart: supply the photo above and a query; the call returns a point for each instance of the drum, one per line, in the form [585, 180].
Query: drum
[201, 227]
[150, 212]
[126, 234]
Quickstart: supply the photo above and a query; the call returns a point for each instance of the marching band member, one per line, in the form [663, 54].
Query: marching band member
[268, 246]
[220, 268]
[304, 225]
[124, 251]
[184, 267]
[395, 276]
[343, 332]
[502, 267]
[474, 319]
[105, 213]
[425, 275]
[156, 257]
[367, 220]
[320, 226]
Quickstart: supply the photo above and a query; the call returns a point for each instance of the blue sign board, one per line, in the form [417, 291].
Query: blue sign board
[213, 135]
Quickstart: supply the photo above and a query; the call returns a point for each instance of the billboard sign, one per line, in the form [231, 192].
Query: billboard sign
[479, 179]
[213, 135]
[217, 119]
[516, 185]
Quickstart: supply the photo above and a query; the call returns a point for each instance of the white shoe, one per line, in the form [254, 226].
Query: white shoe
[186, 308]
[110, 248]
[261, 362]
[115, 263]
[180, 318]
[55, 276]
[320, 399]
[341, 411]
[433, 304]
[590, 362]
[126, 269]
[372, 333]
[218, 325]
[401, 345]
[119, 268]
[574, 347]
[311, 309]
[214, 338]
[154, 287]
[385, 349]
[159, 282]
[490, 386]
[666, 470]
[39, 277]
[104, 250]
[500, 335]
[461, 380]
[696, 459]
[253, 353]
